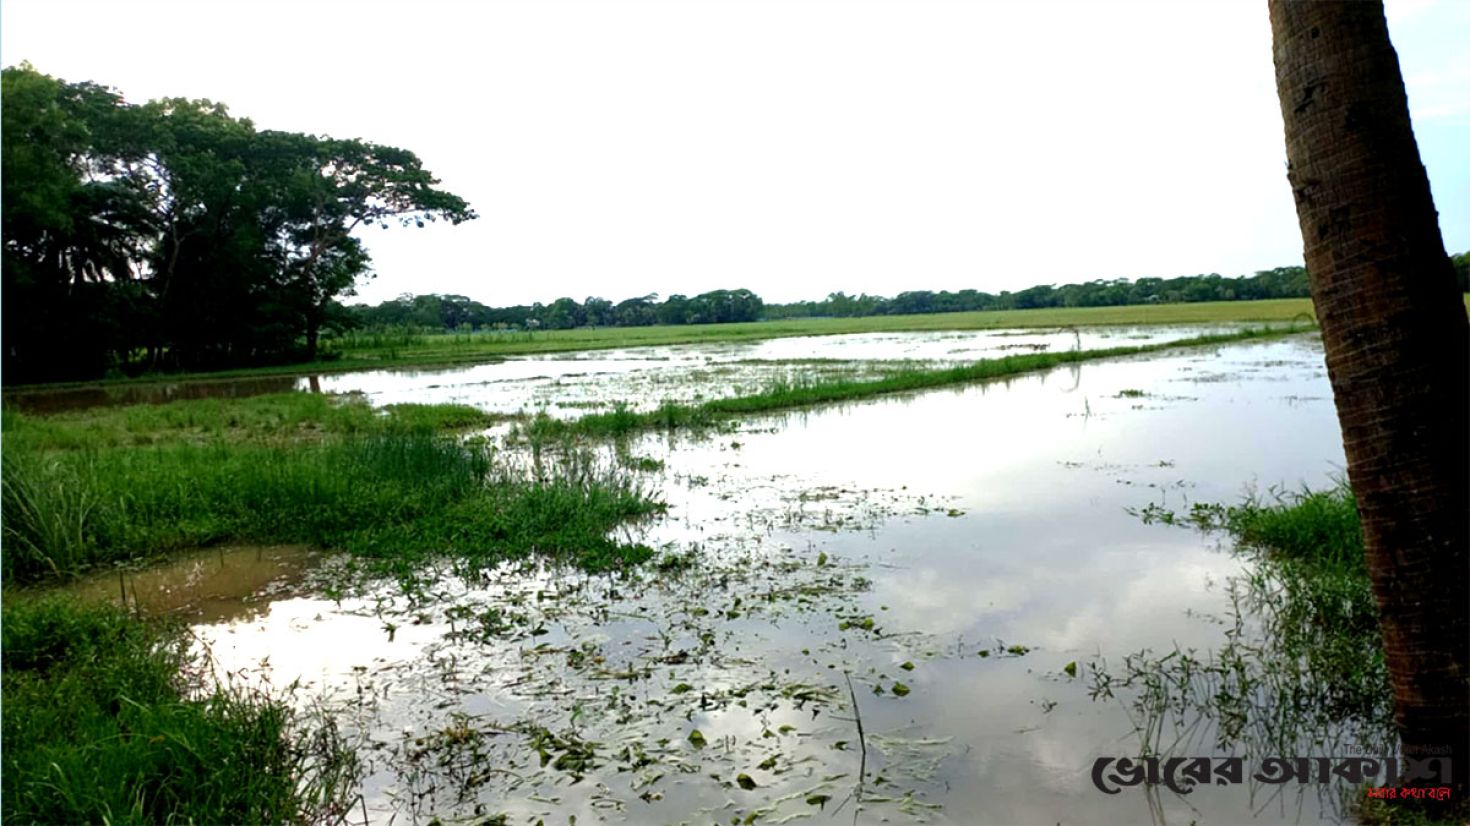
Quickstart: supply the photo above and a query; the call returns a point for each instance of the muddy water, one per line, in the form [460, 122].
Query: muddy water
[212, 585]
[890, 544]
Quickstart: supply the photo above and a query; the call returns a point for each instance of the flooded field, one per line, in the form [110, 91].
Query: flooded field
[875, 612]
[568, 384]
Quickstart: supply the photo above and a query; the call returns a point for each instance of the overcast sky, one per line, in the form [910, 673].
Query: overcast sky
[794, 148]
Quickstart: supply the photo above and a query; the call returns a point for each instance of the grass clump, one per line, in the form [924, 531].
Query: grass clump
[109, 485]
[395, 496]
[99, 726]
[1301, 668]
[273, 417]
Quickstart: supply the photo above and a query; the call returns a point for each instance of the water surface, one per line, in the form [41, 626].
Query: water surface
[939, 557]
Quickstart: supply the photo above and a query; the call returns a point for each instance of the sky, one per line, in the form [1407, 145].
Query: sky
[797, 148]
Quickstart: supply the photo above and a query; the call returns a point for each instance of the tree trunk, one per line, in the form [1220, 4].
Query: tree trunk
[313, 333]
[1395, 334]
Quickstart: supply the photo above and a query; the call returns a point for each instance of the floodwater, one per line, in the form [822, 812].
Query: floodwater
[939, 558]
[221, 584]
[568, 384]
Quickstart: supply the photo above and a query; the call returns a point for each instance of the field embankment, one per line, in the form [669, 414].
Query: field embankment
[785, 395]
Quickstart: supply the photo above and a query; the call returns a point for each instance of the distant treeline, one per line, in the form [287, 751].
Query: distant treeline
[172, 235]
[1282, 282]
[457, 312]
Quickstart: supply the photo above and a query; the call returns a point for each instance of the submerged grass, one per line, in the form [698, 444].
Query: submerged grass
[100, 726]
[1302, 662]
[785, 395]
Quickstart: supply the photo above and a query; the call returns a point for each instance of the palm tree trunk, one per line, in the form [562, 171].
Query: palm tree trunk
[1395, 334]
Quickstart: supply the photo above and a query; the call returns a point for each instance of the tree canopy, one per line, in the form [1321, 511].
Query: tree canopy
[173, 234]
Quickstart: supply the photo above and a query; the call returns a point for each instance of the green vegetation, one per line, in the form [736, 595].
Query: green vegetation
[787, 395]
[458, 313]
[99, 726]
[462, 347]
[402, 347]
[462, 314]
[118, 484]
[270, 418]
[1301, 668]
[103, 718]
[172, 235]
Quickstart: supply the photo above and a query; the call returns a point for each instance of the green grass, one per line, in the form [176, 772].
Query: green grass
[398, 497]
[456, 347]
[788, 395]
[369, 352]
[109, 485]
[1324, 614]
[1326, 620]
[97, 723]
[97, 729]
[1300, 669]
[277, 417]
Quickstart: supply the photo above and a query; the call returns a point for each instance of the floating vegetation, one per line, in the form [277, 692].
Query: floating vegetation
[622, 690]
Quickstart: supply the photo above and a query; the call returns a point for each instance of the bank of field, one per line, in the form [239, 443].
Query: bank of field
[368, 350]
[116, 485]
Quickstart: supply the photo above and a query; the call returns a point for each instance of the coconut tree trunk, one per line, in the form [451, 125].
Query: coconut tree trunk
[1395, 335]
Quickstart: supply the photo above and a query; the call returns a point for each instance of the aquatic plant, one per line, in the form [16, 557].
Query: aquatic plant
[1300, 669]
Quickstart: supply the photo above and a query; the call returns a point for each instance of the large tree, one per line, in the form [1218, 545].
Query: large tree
[177, 234]
[73, 226]
[332, 189]
[1395, 334]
